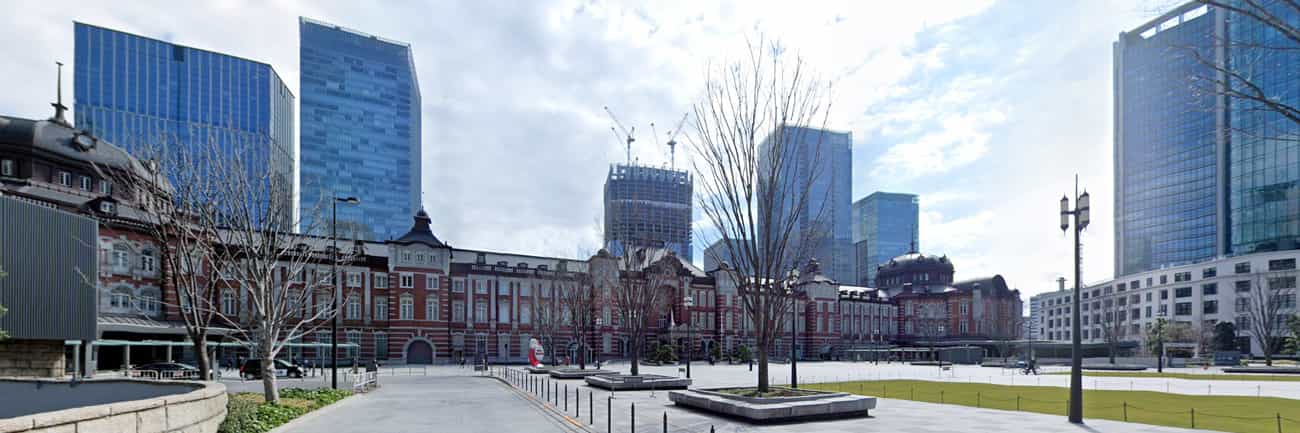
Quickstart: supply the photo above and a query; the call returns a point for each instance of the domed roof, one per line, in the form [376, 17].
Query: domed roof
[912, 259]
[420, 232]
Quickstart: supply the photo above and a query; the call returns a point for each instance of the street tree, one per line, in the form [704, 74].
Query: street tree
[755, 159]
[577, 299]
[1225, 336]
[1111, 318]
[641, 288]
[1270, 294]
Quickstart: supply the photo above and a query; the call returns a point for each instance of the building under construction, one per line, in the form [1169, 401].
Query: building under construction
[648, 206]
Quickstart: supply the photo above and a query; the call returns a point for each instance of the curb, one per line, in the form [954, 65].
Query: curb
[313, 414]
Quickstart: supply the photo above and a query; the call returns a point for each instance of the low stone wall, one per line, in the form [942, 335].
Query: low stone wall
[200, 411]
[620, 382]
[574, 373]
[829, 405]
[31, 358]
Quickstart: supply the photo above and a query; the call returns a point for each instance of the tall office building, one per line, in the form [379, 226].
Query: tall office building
[1199, 175]
[148, 95]
[648, 207]
[821, 159]
[360, 129]
[885, 225]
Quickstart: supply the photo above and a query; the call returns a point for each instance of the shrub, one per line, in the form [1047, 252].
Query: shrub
[248, 413]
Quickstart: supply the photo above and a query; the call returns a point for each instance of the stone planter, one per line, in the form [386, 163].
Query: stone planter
[112, 405]
[574, 373]
[623, 382]
[1263, 370]
[538, 370]
[1114, 367]
[820, 405]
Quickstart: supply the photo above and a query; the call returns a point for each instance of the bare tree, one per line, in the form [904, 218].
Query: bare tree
[176, 196]
[270, 265]
[752, 170]
[1271, 294]
[577, 298]
[548, 312]
[931, 323]
[1111, 318]
[641, 290]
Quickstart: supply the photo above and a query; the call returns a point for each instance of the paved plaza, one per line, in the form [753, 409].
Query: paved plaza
[440, 398]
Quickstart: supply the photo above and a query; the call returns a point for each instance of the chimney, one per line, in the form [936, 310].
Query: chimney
[1060, 282]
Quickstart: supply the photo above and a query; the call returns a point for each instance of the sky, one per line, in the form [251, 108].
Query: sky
[985, 108]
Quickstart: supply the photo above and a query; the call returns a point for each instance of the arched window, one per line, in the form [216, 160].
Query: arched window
[406, 308]
[121, 258]
[148, 302]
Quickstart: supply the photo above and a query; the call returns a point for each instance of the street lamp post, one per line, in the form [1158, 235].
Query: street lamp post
[334, 323]
[690, 344]
[1081, 217]
[790, 280]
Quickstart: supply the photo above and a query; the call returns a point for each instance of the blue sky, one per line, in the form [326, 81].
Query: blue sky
[984, 108]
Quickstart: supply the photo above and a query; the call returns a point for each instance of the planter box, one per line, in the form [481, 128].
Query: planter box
[621, 382]
[574, 373]
[1114, 367]
[538, 370]
[823, 405]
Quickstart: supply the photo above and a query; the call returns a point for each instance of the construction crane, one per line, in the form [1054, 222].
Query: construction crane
[672, 141]
[626, 132]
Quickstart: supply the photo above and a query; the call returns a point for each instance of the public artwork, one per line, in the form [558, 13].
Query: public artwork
[536, 354]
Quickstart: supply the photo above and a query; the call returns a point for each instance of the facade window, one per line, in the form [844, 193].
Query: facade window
[1209, 289]
[381, 281]
[381, 345]
[504, 290]
[1135, 284]
[1241, 305]
[7, 168]
[381, 308]
[503, 312]
[354, 307]
[86, 183]
[1210, 307]
[1183, 309]
[107, 207]
[431, 307]
[431, 281]
[480, 287]
[354, 337]
[120, 298]
[458, 286]
[1164, 279]
[407, 281]
[354, 279]
[526, 314]
[228, 302]
[1182, 276]
[148, 262]
[1183, 292]
[1242, 268]
[458, 311]
[1209, 272]
[1164, 294]
[1242, 286]
[105, 187]
[526, 291]
[65, 178]
[1276, 283]
[1281, 265]
[480, 312]
[406, 308]
[121, 259]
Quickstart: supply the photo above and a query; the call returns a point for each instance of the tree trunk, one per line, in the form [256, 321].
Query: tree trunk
[201, 357]
[269, 390]
[1111, 351]
[763, 384]
[636, 357]
[582, 352]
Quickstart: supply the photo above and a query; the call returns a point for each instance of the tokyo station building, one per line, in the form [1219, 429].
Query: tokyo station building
[418, 300]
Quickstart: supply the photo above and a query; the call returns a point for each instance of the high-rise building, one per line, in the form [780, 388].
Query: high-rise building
[360, 128]
[885, 225]
[148, 95]
[822, 161]
[1199, 175]
[716, 253]
[648, 207]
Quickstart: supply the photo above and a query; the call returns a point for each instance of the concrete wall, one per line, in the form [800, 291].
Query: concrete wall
[200, 410]
[31, 358]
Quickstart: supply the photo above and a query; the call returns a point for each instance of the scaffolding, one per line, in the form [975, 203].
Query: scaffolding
[648, 207]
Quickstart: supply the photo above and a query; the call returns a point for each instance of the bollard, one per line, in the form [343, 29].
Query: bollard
[577, 403]
[711, 428]
[609, 414]
[591, 409]
[633, 417]
[566, 397]
[665, 421]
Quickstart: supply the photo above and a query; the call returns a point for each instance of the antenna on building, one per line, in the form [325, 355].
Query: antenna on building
[59, 108]
[626, 132]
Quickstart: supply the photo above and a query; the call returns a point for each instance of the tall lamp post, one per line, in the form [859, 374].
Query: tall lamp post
[1081, 217]
[334, 323]
[791, 278]
[690, 344]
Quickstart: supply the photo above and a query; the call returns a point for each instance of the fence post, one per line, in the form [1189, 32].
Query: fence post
[1125, 411]
[665, 421]
[977, 400]
[912, 394]
[1017, 401]
[941, 396]
[1279, 422]
[1067, 406]
[1193, 417]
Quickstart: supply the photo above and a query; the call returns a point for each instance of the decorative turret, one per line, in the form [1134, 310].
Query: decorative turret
[421, 232]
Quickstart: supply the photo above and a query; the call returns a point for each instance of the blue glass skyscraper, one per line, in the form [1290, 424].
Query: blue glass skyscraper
[360, 129]
[822, 159]
[1200, 173]
[149, 95]
[885, 226]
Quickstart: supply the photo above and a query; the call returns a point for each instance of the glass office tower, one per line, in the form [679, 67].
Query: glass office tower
[148, 95]
[1199, 174]
[885, 226]
[823, 159]
[1264, 146]
[360, 129]
[1168, 198]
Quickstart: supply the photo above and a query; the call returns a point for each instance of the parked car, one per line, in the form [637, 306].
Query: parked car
[252, 369]
[167, 370]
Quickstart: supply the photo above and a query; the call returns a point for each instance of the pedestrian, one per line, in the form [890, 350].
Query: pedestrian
[751, 364]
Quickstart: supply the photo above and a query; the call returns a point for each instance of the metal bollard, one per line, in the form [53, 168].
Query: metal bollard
[609, 414]
[577, 403]
[633, 417]
[665, 422]
[566, 397]
[591, 409]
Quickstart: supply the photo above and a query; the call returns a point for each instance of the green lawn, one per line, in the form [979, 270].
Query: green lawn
[1192, 376]
[1223, 413]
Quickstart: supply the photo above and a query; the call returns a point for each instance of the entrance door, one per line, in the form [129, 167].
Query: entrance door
[419, 352]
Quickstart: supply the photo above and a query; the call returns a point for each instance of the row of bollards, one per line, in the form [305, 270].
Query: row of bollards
[551, 392]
